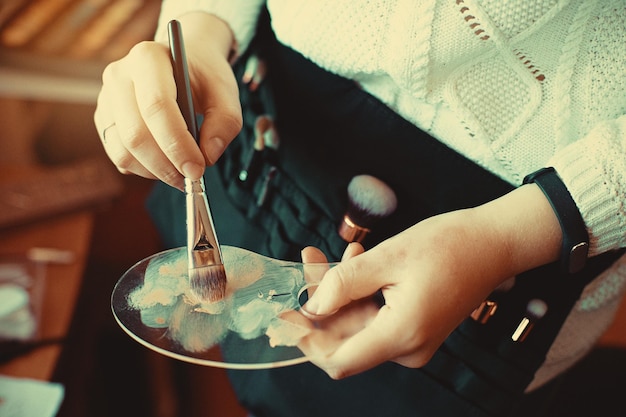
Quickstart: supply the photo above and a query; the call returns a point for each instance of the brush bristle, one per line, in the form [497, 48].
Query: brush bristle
[536, 308]
[208, 283]
[370, 199]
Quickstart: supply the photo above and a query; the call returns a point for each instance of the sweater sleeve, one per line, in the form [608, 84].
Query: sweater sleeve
[594, 171]
[240, 15]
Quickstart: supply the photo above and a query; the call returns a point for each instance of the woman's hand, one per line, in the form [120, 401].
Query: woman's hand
[137, 117]
[432, 276]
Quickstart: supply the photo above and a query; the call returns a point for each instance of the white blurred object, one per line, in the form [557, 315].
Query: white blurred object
[17, 321]
[20, 289]
[26, 397]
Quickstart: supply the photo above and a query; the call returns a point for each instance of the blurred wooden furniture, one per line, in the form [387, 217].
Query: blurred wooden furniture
[56, 49]
[71, 232]
[66, 228]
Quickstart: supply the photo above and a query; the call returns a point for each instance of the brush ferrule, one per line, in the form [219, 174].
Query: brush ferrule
[204, 257]
[535, 311]
[484, 311]
[194, 187]
[523, 329]
[202, 245]
[352, 232]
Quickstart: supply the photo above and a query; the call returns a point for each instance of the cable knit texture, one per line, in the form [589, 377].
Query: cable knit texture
[241, 15]
[513, 85]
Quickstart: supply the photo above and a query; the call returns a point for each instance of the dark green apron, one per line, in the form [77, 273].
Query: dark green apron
[330, 131]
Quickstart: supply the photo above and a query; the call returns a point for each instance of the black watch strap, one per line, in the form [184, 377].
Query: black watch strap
[575, 246]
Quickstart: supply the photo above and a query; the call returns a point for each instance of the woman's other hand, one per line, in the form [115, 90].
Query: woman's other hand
[432, 276]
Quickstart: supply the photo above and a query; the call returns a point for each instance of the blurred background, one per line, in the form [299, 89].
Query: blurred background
[52, 53]
[59, 191]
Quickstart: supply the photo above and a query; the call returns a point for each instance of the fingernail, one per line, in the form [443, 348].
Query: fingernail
[312, 306]
[192, 170]
[213, 149]
[179, 185]
[312, 309]
[347, 254]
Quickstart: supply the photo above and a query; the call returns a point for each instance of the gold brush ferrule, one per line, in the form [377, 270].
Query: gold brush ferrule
[523, 329]
[203, 249]
[484, 311]
[352, 232]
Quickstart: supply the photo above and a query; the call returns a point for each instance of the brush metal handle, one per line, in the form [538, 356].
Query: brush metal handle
[203, 249]
[184, 97]
[202, 245]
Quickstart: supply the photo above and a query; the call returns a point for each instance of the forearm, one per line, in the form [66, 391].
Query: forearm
[482, 247]
[523, 229]
[204, 31]
[239, 15]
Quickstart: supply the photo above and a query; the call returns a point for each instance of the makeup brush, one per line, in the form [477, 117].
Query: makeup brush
[535, 310]
[207, 277]
[369, 200]
[484, 311]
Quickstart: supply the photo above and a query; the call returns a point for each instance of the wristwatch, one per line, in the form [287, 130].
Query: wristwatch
[575, 246]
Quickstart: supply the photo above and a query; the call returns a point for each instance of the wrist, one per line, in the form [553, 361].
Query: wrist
[204, 31]
[574, 236]
[524, 228]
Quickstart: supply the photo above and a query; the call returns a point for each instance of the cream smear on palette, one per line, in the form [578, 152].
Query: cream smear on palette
[259, 291]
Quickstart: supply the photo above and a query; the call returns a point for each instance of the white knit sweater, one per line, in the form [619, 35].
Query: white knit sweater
[513, 85]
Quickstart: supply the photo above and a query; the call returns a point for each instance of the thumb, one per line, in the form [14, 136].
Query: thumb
[352, 279]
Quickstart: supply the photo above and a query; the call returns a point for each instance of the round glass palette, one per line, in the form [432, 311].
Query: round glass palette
[153, 303]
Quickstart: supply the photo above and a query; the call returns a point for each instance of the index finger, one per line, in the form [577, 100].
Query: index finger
[350, 280]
